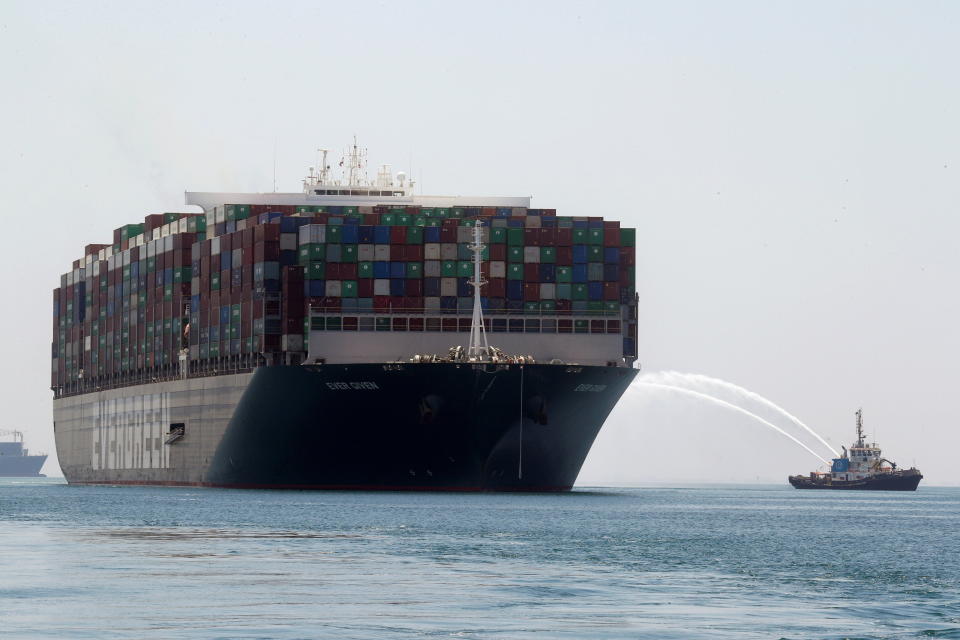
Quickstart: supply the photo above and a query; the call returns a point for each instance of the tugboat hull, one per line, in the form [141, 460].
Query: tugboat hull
[896, 481]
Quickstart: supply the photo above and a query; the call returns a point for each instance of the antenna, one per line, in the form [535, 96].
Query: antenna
[274, 165]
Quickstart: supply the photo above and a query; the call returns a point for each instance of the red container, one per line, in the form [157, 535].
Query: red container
[624, 277]
[498, 252]
[413, 304]
[448, 234]
[565, 256]
[332, 271]
[531, 291]
[348, 271]
[548, 237]
[226, 242]
[413, 253]
[413, 287]
[611, 237]
[628, 256]
[495, 288]
[531, 237]
[381, 304]
[365, 288]
[266, 251]
[564, 306]
[531, 272]
[564, 237]
[611, 291]
[396, 304]
[266, 233]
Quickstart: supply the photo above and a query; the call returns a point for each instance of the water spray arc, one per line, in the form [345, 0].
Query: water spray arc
[728, 405]
[669, 378]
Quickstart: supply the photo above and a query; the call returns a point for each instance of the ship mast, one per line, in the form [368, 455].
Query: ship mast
[478, 335]
[860, 427]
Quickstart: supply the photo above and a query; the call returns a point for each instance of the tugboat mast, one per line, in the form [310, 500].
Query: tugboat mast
[860, 427]
[478, 335]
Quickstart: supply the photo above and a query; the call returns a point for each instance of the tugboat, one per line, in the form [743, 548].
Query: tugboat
[862, 469]
[16, 462]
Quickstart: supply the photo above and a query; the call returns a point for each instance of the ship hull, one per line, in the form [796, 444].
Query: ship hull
[896, 481]
[431, 426]
[21, 466]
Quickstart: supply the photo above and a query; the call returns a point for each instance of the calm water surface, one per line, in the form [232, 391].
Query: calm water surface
[730, 562]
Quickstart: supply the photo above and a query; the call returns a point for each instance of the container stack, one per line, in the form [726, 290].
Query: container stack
[252, 280]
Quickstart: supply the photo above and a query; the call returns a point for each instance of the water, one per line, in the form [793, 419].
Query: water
[702, 383]
[707, 562]
[727, 405]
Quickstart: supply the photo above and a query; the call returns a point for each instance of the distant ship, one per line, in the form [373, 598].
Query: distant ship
[16, 462]
[863, 468]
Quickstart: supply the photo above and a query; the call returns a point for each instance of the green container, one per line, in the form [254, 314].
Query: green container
[420, 220]
[415, 270]
[581, 326]
[167, 292]
[308, 253]
[171, 217]
[595, 236]
[334, 234]
[564, 274]
[594, 253]
[514, 271]
[398, 210]
[151, 265]
[448, 269]
[498, 235]
[515, 254]
[383, 324]
[350, 211]
[317, 323]
[333, 323]
[317, 270]
[433, 222]
[515, 237]
[404, 220]
[548, 306]
[454, 212]
[628, 237]
[365, 270]
[348, 253]
[548, 255]
[531, 307]
[215, 281]
[182, 274]
[235, 314]
[595, 307]
[464, 269]
[579, 291]
[611, 308]
[388, 218]
[414, 235]
[580, 236]
[348, 288]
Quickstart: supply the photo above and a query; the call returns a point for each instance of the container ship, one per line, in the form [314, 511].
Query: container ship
[354, 335]
[16, 461]
[863, 468]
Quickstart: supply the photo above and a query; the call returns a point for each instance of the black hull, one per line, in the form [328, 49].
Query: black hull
[437, 426]
[897, 481]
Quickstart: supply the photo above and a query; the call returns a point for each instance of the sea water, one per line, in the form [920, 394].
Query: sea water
[649, 562]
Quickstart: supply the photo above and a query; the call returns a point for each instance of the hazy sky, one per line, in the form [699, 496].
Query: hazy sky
[792, 170]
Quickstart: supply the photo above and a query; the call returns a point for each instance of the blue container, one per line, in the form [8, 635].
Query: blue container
[431, 287]
[629, 348]
[611, 255]
[381, 269]
[548, 273]
[220, 228]
[135, 271]
[463, 252]
[381, 234]
[349, 305]
[397, 286]
[231, 226]
[484, 303]
[168, 275]
[225, 314]
[349, 234]
[515, 290]
[364, 304]
[288, 258]
[226, 260]
[448, 303]
[579, 254]
[515, 305]
[464, 304]
[595, 224]
[463, 287]
[580, 224]
[515, 222]
[548, 223]
[611, 273]
[595, 290]
[579, 306]
[504, 212]
[316, 288]
[579, 273]
[267, 218]
[496, 304]
[398, 270]
[289, 224]
[215, 333]
[365, 234]
[195, 301]
[431, 234]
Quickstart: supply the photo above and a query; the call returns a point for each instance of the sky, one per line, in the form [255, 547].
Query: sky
[792, 169]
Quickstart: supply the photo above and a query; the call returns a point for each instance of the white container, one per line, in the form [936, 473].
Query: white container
[381, 252]
[432, 269]
[288, 242]
[531, 255]
[498, 269]
[448, 286]
[431, 304]
[333, 288]
[381, 287]
[548, 291]
[312, 234]
[431, 251]
[365, 253]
